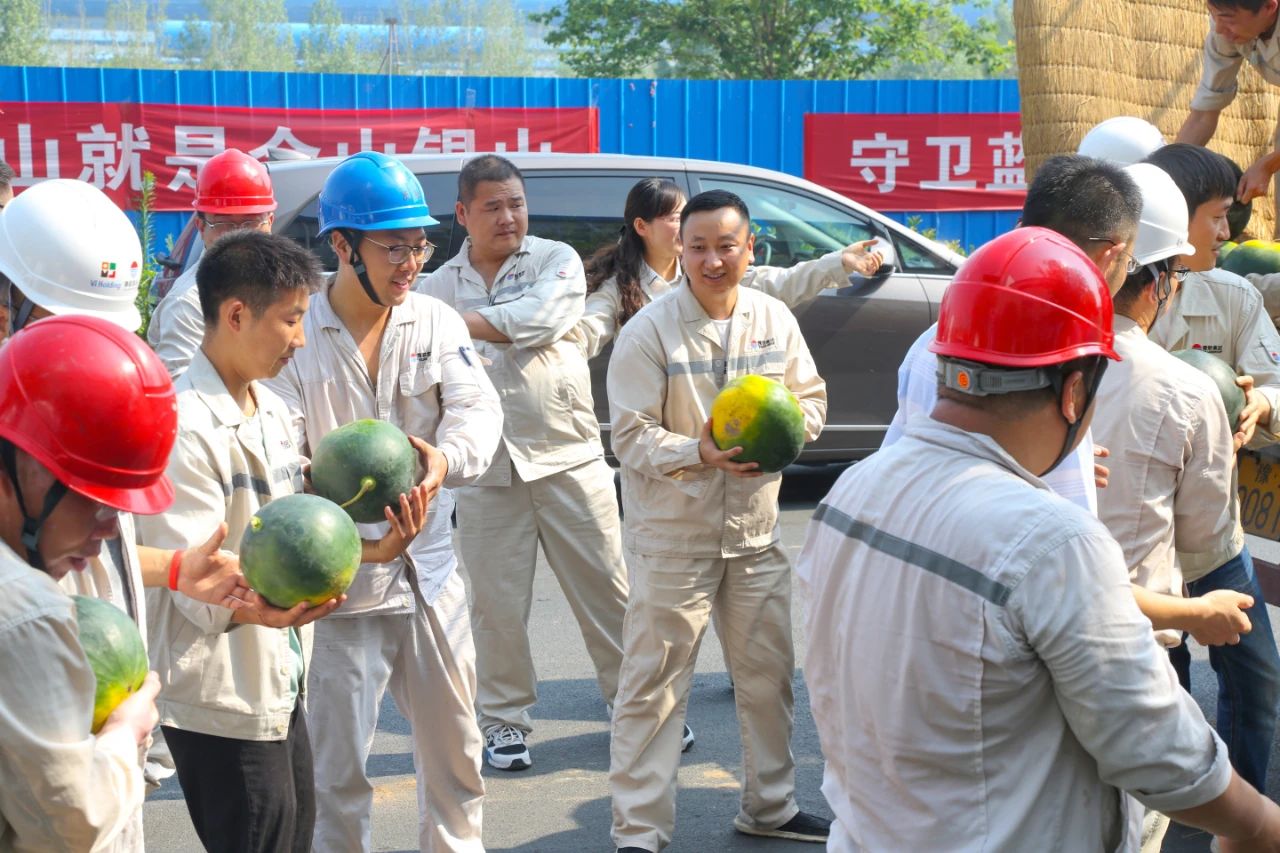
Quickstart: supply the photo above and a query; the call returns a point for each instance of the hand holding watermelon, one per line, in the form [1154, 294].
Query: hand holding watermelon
[712, 455]
[405, 525]
[137, 712]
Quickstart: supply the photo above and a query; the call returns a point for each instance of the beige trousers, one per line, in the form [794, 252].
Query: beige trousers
[573, 515]
[671, 601]
[427, 660]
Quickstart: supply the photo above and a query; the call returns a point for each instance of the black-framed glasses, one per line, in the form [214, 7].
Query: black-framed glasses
[400, 253]
[1180, 273]
[1131, 265]
[238, 224]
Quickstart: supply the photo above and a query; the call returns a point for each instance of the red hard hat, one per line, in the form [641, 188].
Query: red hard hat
[233, 182]
[93, 404]
[1028, 298]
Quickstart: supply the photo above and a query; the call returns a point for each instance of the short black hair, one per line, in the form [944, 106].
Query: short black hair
[6, 175]
[714, 200]
[1254, 6]
[486, 167]
[1135, 283]
[1201, 174]
[1083, 198]
[1241, 212]
[255, 268]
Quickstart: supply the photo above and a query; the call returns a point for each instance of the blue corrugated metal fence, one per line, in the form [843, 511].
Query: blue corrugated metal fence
[759, 122]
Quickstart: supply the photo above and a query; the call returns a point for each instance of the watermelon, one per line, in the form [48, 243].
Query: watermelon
[1252, 256]
[300, 548]
[113, 645]
[1224, 250]
[762, 417]
[363, 467]
[1222, 374]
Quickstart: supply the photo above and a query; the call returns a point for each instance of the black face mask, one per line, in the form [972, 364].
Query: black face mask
[1092, 379]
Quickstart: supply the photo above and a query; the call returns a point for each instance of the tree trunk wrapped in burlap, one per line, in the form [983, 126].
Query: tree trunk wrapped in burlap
[1081, 61]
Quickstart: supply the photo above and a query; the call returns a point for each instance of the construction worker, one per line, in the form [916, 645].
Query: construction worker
[701, 533]
[1240, 30]
[1170, 484]
[1014, 679]
[1122, 140]
[375, 349]
[1221, 313]
[233, 193]
[644, 263]
[61, 787]
[521, 298]
[231, 708]
[6, 184]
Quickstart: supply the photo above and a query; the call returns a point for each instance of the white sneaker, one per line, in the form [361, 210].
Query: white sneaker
[504, 748]
[686, 739]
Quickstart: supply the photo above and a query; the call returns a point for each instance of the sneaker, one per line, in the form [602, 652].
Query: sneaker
[504, 748]
[802, 827]
[686, 739]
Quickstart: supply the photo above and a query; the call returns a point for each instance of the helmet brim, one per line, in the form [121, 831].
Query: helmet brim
[147, 500]
[389, 225]
[129, 318]
[235, 209]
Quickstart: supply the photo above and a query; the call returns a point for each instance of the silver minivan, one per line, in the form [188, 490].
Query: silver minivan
[858, 334]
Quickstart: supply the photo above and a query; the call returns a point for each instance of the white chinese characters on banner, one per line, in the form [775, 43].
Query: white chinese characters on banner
[26, 173]
[192, 146]
[1009, 159]
[947, 167]
[112, 158]
[894, 156]
[283, 138]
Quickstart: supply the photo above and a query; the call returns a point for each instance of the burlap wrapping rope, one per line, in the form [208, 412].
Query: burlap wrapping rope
[1080, 61]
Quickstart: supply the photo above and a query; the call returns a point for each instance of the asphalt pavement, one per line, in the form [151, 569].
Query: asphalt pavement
[561, 804]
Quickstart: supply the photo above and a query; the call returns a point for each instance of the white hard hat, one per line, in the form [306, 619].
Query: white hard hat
[1122, 140]
[1162, 228]
[70, 250]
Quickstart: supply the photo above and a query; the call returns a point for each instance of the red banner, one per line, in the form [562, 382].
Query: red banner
[111, 145]
[926, 162]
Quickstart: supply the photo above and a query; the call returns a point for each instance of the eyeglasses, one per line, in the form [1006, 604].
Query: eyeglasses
[1131, 266]
[400, 253]
[1180, 273]
[238, 224]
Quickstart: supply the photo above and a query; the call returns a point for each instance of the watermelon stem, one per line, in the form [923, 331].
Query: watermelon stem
[366, 484]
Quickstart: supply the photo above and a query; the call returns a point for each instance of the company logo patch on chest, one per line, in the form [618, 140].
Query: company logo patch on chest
[1214, 348]
[419, 357]
[757, 346]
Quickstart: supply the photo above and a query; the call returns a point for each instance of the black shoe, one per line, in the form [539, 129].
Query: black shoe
[632, 850]
[802, 827]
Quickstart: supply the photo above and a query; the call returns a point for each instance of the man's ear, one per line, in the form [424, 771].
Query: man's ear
[460, 212]
[341, 248]
[1071, 403]
[233, 314]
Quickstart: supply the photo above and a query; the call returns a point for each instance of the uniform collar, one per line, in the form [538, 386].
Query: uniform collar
[462, 260]
[1195, 297]
[980, 445]
[1122, 325]
[322, 309]
[213, 392]
[695, 316]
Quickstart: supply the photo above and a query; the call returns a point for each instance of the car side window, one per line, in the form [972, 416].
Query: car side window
[441, 191]
[791, 227]
[584, 211]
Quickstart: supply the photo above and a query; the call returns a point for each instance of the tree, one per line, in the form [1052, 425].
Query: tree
[769, 39]
[330, 48]
[24, 34]
[464, 37]
[136, 33]
[249, 35]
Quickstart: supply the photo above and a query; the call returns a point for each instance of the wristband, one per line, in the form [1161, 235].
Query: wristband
[174, 565]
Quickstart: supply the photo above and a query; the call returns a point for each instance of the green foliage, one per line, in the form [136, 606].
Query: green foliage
[145, 226]
[486, 37]
[136, 25]
[249, 35]
[328, 49]
[24, 33]
[914, 223]
[767, 39]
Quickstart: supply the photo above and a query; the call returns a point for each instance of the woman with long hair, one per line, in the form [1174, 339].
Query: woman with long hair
[644, 263]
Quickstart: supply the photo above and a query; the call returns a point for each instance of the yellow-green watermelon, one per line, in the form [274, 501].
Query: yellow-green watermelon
[363, 467]
[1251, 256]
[113, 645]
[300, 548]
[761, 416]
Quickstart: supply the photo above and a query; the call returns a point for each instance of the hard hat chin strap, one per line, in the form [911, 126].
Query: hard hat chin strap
[18, 319]
[361, 271]
[1092, 379]
[31, 527]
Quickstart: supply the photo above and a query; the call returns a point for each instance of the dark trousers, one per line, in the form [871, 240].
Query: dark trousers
[248, 796]
[1248, 674]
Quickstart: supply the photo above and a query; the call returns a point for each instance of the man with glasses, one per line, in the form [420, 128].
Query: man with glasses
[1220, 313]
[233, 193]
[377, 350]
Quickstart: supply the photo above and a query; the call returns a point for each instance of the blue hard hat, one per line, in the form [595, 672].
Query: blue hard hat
[371, 191]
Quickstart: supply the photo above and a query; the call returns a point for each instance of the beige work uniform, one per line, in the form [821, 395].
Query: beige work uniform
[698, 540]
[115, 576]
[61, 788]
[176, 328]
[231, 681]
[1223, 314]
[793, 285]
[1171, 462]
[404, 625]
[549, 483]
[1221, 66]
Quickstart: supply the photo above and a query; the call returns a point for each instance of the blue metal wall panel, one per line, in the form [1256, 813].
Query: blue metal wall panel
[758, 122]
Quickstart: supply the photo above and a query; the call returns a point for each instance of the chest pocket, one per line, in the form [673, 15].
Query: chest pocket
[420, 378]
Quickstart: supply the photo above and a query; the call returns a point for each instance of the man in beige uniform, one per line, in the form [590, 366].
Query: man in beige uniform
[521, 298]
[377, 350]
[702, 533]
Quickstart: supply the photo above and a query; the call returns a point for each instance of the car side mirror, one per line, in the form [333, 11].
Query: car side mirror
[887, 268]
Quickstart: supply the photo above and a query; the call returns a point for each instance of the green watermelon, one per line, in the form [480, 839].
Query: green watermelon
[1226, 249]
[300, 548]
[363, 467]
[1252, 256]
[113, 645]
[762, 417]
[1222, 375]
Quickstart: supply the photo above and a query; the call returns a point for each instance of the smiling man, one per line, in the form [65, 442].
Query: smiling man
[1240, 30]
